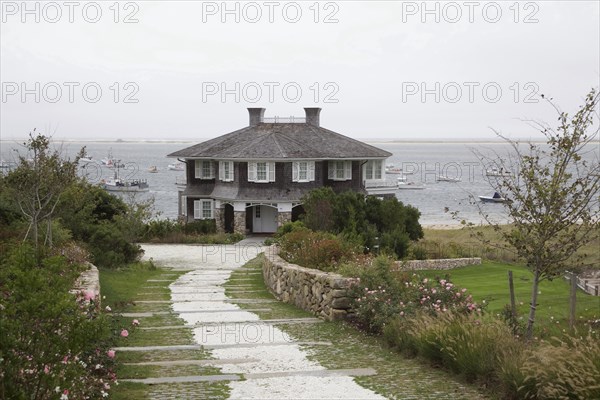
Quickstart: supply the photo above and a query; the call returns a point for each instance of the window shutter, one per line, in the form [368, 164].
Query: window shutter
[222, 170]
[271, 171]
[348, 170]
[197, 209]
[231, 176]
[311, 171]
[295, 168]
[331, 169]
[198, 169]
[251, 172]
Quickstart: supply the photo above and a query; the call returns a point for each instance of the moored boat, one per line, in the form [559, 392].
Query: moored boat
[494, 171]
[496, 198]
[178, 166]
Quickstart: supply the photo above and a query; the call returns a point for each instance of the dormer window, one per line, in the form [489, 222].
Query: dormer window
[340, 170]
[303, 171]
[204, 169]
[261, 172]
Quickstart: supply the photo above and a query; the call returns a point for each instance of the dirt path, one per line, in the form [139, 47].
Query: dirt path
[272, 364]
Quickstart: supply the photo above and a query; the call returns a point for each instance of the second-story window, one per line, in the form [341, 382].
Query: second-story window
[303, 171]
[204, 169]
[340, 170]
[226, 171]
[373, 169]
[261, 172]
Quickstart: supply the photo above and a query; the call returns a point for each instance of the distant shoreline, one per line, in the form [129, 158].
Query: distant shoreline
[369, 141]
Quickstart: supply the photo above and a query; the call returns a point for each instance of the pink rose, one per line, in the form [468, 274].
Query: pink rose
[135, 322]
[124, 333]
[110, 353]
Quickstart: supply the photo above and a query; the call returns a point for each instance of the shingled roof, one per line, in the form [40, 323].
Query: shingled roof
[275, 141]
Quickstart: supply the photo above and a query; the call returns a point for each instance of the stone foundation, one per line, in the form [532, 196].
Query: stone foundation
[239, 222]
[324, 294]
[283, 217]
[441, 264]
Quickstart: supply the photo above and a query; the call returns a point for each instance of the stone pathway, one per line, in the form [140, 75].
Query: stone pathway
[255, 358]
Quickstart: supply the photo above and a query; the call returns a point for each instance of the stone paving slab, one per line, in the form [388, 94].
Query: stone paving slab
[263, 375]
[251, 345]
[254, 321]
[318, 372]
[184, 379]
[160, 348]
[195, 362]
[153, 313]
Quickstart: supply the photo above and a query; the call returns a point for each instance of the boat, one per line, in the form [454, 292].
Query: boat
[116, 184]
[497, 172]
[393, 170]
[153, 169]
[86, 160]
[496, 198]
[380, 187]
[111, 162]
[445, 178]
[403, 184]
[178, 166]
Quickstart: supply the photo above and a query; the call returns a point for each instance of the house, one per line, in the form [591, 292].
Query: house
[253, 179]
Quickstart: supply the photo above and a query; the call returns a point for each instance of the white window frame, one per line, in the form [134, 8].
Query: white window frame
[376, 170]
[309, 167]
[200, 169]
[200, 208]
[226, 176]
[269, 172]
[339, 170]
[183, 210]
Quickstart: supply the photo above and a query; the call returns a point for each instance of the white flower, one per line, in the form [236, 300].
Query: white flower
[64, 397]
[108, 309]
[57, 389]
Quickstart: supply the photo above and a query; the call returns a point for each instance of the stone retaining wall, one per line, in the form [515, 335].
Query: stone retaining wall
[88, 281]
[441, 264]
[324, 294]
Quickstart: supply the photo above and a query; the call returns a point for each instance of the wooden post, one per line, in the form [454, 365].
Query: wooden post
[511, 286]
[597, 290]
[572, 301]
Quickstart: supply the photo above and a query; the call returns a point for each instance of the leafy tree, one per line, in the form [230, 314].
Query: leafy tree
[552, 196]
[37, 183]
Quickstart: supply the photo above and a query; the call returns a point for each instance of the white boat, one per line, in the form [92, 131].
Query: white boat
[380, 187]
[496, 198]
[178, 166]
[445, 178]
[393, 170]
[86, 160]
[497, 172]
[116, 184]
[111, 162]
[403, 184]
[153, 169]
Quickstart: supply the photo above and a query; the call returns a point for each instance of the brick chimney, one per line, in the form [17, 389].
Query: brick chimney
[256, 115]
[312, 116]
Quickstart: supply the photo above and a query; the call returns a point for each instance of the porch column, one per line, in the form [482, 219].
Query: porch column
[219, 215]
[284, 213]
[239, 218]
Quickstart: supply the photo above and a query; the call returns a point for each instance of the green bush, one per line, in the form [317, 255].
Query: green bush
[202, 226]
[310, 249]
[51, 338]
[382, 226]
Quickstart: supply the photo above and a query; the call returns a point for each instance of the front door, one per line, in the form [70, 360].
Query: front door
[264, 219]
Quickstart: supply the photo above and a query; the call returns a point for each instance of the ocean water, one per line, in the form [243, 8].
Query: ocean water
[437, 202]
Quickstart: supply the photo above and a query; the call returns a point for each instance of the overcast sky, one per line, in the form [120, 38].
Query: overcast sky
[380, 70]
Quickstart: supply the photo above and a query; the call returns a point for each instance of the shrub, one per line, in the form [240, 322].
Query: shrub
[51, 338]
[562, 369]
[201, 226]
[310, 249]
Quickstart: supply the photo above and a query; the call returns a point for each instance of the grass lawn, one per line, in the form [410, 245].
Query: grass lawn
[449, 243]
[489, 282]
